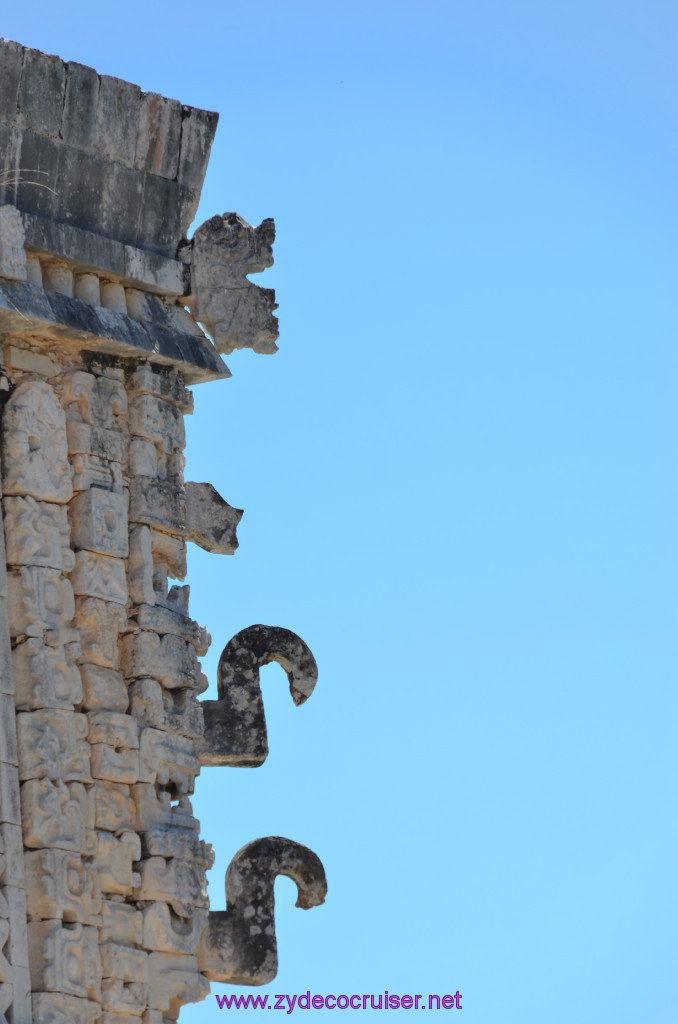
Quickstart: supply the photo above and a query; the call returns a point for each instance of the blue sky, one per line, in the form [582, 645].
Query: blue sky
[458, 476]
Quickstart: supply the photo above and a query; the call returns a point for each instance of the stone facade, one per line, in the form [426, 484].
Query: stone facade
[104, 914]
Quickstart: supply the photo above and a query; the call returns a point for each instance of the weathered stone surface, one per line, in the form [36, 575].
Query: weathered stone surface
[114, 740]
[121, 923]
[158, 421]
[80, 106]
[235, 726]
[100, 576]
[157, 503]
[235, 312]
[168, 659]
[163, 383]
[53, 745]
[174, 980]
[99, 522]
[23, 358]
[170, 551]
[65, 959]
[125, 978]
[171, 710]
[38, 599]
[59, 1008]
[34, 460]
[37, 533]
[179, 883]
[159, 804]
[58, 814]
[158, 135]
[44, 677]
[239, 947]
[115, 133]
[100, 623]
[167, 760]
[115, 859]
[41, 93]
[170, 933]
[99, 401]
[210, 521]
[162, 620]
[60, 885]
[103, 689]
[12, 252]
[114, 808]
[102, 444]
[92, 471]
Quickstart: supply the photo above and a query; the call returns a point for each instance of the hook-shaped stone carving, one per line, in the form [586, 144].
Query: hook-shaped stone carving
[239, 945]
[235, 726]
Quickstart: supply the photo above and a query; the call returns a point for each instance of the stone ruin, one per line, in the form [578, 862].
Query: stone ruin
[104, 914]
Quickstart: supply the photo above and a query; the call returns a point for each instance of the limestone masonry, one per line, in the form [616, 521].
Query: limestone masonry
[104, 914]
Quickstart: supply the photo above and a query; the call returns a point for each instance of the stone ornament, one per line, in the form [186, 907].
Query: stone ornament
[239, 945]
[12, 252]
[34, 448]
[210, 521]
[235, 313]
[235, 726]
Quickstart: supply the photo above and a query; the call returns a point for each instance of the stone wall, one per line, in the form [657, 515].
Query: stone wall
[104, 913]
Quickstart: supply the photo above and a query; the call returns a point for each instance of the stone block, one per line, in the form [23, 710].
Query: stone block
[34, 450]
[92, 471]
[65, 959]
[140, 566]
[159, 135]
[158, 503]
[12, 866]
[114, 808]
[125, 979]
[10, 809]
[37, 533]
[121, 203]
[115, 859]
[16, 949]
[103, 689]
[13, 264]
[26, 359]
[171, 710]
[79, 186]
[38, 599]
[100, 576]
[177, 843]
[197, 132]
[80, 106]
[58, 814]
[121, 923]
[41, 93]
[11, 59]
[44, 677]
[171, 552]
[167, 932]
[158, 805]
[60, 885]
[8, 741]
[98, 441]
[163, 383]
[36, 192]
[114, 740]
[99, 522]
[158, 421]
[98, 401]
[167, 759]
[53, 745]
[99, 623]
[174, 980]
[117, 119]
[59, 1008]
[143, 458]
[160, 226]
[168, 659]
[162, 620]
